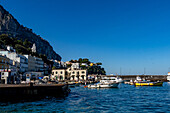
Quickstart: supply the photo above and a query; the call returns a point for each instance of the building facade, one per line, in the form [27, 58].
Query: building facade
[75, 66]
[69, 74]
[4, 62]
[31, 63]
[8, 70]
[39, 64]
[78, 74]
[59, 74]
[22, 60]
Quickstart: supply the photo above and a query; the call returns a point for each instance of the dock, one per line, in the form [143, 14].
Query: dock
[146, 77]
[11, 92]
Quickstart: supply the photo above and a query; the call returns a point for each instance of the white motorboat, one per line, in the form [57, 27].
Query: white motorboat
[105, 82]
[168, 78]
[104, 85]
[118, 79]
[111, 79]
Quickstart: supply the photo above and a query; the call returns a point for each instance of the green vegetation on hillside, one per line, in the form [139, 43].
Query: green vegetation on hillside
[92, 69]
[21, 46]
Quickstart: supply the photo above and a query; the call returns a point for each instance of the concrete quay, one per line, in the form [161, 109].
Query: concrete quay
[29, 92]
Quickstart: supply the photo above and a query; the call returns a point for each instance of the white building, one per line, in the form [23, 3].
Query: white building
[39, 64]
[9, 48]
[56, 63]
[31, 63]
[59, 74]
[35, 64]
[78, 74]
[34, 50]
[75, 65]
[69, 74]
[22, 60]
[33, 76]
[8, 70]
[84, 64]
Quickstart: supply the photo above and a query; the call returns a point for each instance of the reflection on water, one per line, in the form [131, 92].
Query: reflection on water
[126, 98]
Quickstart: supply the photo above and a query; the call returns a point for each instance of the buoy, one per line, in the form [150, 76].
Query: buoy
[85, 86]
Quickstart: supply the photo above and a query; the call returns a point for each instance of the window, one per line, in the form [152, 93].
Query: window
[82, 77]
[56, 72]
[53, 73]
[78, 73]
[61, 77]
[73, 77]
[73, 72]
[83, 72]
[61, 72]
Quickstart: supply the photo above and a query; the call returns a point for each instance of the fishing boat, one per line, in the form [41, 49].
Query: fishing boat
[105, 82]
[146, 83]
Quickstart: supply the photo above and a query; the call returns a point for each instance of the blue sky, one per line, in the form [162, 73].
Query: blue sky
[122, 34]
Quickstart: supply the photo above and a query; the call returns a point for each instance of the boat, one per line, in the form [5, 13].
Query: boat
[105, 82]
[168, 78]
[71, 84]
[126, 81]
[118, 79]
[147, 83]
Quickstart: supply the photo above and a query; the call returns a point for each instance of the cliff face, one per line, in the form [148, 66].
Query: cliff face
[9, 25]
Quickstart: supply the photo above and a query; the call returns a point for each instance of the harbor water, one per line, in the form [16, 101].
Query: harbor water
[126, 98]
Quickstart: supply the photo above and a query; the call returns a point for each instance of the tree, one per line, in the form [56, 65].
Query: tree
[53, 67]
[27, 43]
[72, 61]
[80, 60]
[85, 60]
[99, 63]
[5, 39]
[21, 49]
[83, 67]
[68, 65]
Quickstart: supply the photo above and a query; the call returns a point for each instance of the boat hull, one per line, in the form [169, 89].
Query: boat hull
[115, 85]
[149, 84]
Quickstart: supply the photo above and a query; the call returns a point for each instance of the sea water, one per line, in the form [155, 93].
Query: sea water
[125, 98]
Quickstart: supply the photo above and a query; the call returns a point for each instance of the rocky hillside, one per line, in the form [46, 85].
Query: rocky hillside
[9, 25]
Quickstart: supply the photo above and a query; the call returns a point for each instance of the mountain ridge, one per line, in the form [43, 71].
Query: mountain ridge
[9, 25]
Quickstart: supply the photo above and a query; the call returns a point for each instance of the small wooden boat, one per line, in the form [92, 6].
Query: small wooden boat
[145, 83]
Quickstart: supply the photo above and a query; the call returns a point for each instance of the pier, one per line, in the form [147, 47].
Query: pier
[132, 77]
[146, 77]
[28, 92]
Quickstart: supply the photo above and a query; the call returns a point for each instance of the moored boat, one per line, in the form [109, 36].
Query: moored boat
[106, 82]
[101, 85]
[145, 83]
[71, 84]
